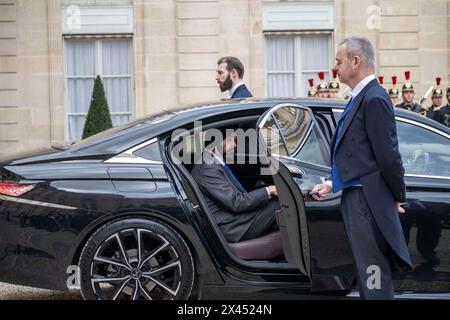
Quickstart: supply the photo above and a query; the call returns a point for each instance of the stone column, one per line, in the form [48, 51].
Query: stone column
[155, 59]
[9, 112]
[33, 73]
[448, 43]
[257, 67]
[56, 74]
[357, 18]
[199, 31]
[433, 45]
[399, 41]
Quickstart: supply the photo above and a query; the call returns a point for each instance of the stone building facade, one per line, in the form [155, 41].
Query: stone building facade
[154, 54]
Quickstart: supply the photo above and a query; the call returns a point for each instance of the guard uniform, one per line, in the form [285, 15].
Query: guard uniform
[408, 87]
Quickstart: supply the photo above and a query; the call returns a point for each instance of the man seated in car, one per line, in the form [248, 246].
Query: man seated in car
[240, 215]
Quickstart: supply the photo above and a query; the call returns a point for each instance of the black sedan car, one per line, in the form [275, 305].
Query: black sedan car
[116, 215]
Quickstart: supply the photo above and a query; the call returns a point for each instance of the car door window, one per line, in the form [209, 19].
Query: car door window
[271, 135]
[150, 152]
[294, 124]
[301, 135]
[326, 124]
[423, 151]
[295, 134]
[313, 151]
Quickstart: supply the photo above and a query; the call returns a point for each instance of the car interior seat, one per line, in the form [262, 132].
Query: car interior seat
[267, 247]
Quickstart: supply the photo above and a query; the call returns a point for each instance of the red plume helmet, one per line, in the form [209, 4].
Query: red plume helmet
[322, 75]
[407, 75]
[437, 92]
[394, 80]
[393, 92]
[407, 86]
[312, 91]
[333, 85]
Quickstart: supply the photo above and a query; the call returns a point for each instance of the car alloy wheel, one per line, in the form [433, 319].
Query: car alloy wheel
[136, 259]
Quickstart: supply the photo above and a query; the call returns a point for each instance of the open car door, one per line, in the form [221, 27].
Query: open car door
[291, 218]
[283, 131]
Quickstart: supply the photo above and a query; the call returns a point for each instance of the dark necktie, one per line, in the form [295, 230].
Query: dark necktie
[233, 178]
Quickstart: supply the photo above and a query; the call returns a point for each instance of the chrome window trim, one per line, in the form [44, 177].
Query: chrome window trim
[272, 110]
[411, 295]
[426, 176]
[36, 203]
[295, 159]
[424, 126]
[127, 157]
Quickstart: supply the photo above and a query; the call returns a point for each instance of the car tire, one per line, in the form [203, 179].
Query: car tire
[136, 258]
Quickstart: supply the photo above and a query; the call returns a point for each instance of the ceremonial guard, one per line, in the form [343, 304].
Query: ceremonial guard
[432, 112]
[322, 87]
[312, 92]
[408, 95]
[393, 91]
[445, 111]
[334, 87]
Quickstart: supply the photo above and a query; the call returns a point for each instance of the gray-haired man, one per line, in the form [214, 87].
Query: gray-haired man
[367, 167]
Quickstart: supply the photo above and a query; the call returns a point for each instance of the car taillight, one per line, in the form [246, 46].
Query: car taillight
[14, 189]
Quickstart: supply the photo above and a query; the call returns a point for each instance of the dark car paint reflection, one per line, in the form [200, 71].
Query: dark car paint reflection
[44, 241]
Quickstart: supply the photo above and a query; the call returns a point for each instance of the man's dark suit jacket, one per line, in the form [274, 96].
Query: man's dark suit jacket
[241, 92]
[368, 149]
[232, 209]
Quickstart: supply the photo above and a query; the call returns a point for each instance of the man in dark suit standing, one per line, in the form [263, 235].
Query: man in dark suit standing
[240, 215]
[367, 167]
[230, 72]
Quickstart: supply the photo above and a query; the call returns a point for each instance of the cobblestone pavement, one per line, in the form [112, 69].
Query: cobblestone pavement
[13, 292]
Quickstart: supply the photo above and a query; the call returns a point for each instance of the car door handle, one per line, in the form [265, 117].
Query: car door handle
[295, 171]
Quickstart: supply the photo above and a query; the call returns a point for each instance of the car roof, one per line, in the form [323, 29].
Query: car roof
[179, 116]
[170, 119]
[124, 137]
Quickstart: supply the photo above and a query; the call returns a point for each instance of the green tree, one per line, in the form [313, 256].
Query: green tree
[98, 118]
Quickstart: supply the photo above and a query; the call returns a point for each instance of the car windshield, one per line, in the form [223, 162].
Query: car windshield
[147, 119]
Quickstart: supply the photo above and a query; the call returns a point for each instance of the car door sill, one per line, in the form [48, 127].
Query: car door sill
[410, 296]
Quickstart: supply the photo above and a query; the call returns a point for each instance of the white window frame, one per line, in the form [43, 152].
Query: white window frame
[298, 68]
[298, 15]
[98, 67]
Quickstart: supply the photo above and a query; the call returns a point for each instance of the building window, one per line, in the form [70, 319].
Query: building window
[292, 59]
[84, 60]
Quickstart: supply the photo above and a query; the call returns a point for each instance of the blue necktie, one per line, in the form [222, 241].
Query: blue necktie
[347, 109]
[338, 184]
[233, 177]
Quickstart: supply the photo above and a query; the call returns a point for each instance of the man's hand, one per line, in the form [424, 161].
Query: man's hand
[399, 208]
[272, 191]
[320, 190]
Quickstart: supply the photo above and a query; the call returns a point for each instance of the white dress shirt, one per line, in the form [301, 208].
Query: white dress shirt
[233, 89]
[361, 85]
